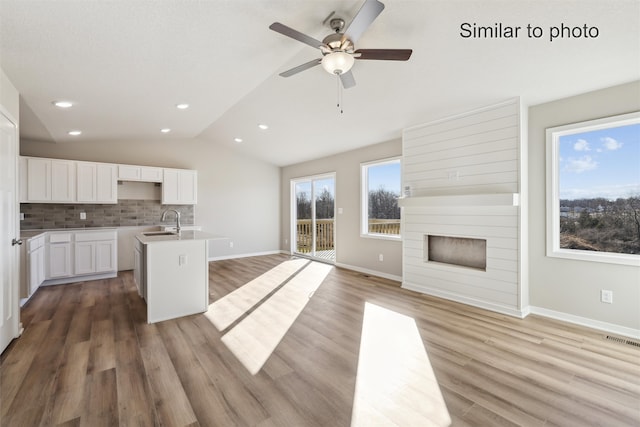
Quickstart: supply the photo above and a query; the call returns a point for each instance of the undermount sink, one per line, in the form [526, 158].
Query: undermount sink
[159, 233]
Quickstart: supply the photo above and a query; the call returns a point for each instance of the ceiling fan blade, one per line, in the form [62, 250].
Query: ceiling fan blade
[347, 80]
[363, 19]
[294, 34]
[384, 54]
[300, 68]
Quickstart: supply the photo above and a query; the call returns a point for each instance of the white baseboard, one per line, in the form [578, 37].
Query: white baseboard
[466, 300]
[234, 256]
[370, 272]
[583, 321]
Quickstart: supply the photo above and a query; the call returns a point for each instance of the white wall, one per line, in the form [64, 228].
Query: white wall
[9, 98]
[472, 154]
[569, 287]
[351, 249]
[238, 196]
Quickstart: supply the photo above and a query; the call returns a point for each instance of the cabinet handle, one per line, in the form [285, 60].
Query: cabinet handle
[16, 242]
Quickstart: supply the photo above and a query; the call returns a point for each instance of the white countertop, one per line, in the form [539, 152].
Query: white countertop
[184, 235]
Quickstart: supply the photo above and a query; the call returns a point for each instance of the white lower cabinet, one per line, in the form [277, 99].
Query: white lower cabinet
[36, 269]
[139, 275]
[85, 258]
[80, 255]
[58, 253]
[106, 256]
[95, 252]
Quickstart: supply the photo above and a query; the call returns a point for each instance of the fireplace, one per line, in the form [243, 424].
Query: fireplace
[456, 251]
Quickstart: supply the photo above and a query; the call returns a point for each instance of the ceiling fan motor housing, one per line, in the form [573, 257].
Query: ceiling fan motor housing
[338, 42]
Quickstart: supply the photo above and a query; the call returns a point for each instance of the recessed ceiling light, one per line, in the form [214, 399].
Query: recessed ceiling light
[263, 126]
[74, 132]
[63, 104]
[237, 139]
[165, 130]
[182, 106]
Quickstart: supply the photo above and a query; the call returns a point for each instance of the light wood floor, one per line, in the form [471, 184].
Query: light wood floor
[88, 358]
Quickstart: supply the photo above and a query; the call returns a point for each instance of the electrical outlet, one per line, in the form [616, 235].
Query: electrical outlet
[230, 244]
[83, 215]
[606, 296]
[380, 257]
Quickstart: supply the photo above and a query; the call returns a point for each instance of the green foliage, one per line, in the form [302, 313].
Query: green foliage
[605, 225]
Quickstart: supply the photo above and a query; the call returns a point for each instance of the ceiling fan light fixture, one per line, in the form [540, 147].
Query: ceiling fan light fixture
[337, 62]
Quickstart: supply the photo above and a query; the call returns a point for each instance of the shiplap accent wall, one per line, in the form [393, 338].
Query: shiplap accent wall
[473, 154]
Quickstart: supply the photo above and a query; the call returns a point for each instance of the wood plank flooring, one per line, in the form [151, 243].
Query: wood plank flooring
[88, 358]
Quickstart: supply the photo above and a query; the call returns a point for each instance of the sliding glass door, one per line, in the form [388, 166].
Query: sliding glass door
[313, 213]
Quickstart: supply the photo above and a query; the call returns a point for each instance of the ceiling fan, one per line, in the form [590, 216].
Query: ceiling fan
[338, 49]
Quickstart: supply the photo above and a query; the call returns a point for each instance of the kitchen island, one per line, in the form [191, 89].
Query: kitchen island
[171, 272]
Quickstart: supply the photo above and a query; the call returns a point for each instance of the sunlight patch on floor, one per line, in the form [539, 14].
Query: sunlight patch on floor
[256, 336]
[395, 384]
[232, 306]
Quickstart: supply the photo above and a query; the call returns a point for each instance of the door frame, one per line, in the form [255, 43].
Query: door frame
[293, 213]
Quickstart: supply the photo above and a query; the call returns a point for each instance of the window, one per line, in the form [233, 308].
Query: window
[593, 190]
[380, 189]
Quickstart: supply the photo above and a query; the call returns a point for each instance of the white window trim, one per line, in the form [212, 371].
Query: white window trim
[553, 192]
[364, 199]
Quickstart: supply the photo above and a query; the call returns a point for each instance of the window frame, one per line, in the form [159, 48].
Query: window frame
[553, 190]
[364, 198]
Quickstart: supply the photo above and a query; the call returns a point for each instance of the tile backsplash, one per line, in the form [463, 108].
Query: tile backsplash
[123, 214]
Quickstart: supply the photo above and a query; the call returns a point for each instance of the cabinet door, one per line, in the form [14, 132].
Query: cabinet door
[59, 255]
[188, 192]
[128, 173]
[180, 187]
[137, 269]
[86, 179]
[106, 256]
[106, 183]
[150, 174]
[63, 181]
[170, 187]
[38, 180]
[36, 269]
[85, 258]
[23, 179]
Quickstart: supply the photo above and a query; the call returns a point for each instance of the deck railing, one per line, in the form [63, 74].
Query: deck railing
[325, 232]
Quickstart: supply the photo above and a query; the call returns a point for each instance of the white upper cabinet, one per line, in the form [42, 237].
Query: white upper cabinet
[96, 183]
[151, 174]
[50, 180]
[180, 187]
[139, 173]
[106, 183]
[69, 181]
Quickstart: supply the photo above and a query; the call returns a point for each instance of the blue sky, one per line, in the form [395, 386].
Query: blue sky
[386, 175]
[601, 163]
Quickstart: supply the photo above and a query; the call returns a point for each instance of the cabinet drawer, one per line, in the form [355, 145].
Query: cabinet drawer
[92, 236]
[60, 237]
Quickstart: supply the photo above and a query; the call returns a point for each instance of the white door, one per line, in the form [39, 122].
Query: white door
[9, 232]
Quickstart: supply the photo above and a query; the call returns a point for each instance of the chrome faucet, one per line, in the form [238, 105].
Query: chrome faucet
[164, 217]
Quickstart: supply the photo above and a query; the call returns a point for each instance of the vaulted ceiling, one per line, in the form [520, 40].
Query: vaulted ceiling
[126, 64]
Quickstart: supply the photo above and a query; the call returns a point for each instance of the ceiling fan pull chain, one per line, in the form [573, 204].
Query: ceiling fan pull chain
[340, 100]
